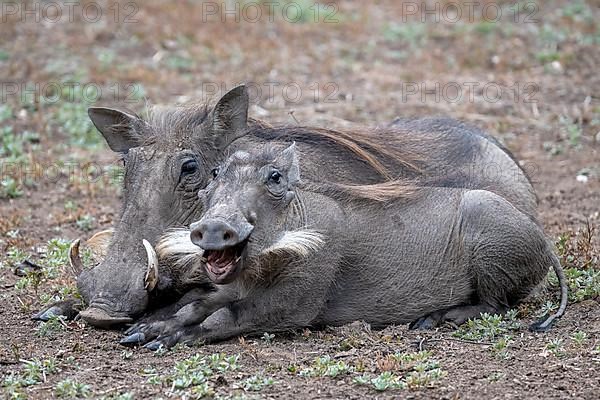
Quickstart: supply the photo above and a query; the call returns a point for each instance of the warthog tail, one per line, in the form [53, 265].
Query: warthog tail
[546, 323]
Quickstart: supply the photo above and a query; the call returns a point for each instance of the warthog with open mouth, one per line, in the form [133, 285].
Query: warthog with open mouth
[168, 158]
[287, 253]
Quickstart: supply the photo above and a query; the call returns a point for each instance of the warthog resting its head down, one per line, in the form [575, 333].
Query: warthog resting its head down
[169, 156]
[289, 253]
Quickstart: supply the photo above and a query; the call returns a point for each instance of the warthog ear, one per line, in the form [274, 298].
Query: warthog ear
[117, 127]
[288, 159]
[230, 115]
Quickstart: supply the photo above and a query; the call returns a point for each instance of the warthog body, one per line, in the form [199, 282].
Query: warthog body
[286, 253]
[169, 154]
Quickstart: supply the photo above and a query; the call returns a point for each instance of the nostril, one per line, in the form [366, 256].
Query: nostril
[196, 236]
[226, 236]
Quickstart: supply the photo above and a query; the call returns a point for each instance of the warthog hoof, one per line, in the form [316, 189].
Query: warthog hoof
[67, 308]
[134, 339]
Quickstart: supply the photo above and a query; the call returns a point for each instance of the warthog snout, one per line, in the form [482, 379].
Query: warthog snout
[224, 244]
[217, 234]
[117, 292]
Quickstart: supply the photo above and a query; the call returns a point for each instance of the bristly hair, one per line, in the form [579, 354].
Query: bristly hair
[394, 157]
[176, 246]
[378, 192]
[302, 242]
[397, 158]
[159, 123]
[176, 118]
[381, 152]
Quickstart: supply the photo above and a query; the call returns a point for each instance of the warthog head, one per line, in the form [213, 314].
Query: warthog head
[246, 212]
[168, 157]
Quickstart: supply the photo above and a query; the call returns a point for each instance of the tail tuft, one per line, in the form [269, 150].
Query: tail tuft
[545, 323]
[542, 325]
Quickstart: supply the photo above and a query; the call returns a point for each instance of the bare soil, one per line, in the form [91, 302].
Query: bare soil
[361, 66]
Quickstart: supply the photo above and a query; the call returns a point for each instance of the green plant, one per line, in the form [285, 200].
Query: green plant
[412, 33]
[404, 371]
[325, 366]
[73, 120]
[555, 347]
[256, 383]
[572, 130]
[577, 10]
[500, 348]
[489, 327]
[16, 255]
[36, 369]
[85, 222]
[6, 112]
[202, 390]
[161, 351]
[547, 308]
[56, 255]
[32, 279]
[576, 249]
[70, 205]
[268, 337]
[495, 376]
[583, 284]
[579, 337]
[10, 188]
[405, 360]
[580, 260]
[423, 377]
[384, 381]
[547, 56]
[485, 27]
[13, 234]
[54, 325]
[553, 148]
[106, 57]
[70, 389]
[14, 146]
[180, 62]
[194, 373]
[33, 372]
[119, 396]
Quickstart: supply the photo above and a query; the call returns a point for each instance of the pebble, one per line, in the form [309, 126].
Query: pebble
[582, 178]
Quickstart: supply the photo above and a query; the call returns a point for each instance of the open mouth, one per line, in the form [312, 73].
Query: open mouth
[223, 266]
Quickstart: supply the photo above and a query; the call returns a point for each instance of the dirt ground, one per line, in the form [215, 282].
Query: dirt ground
[353, 63]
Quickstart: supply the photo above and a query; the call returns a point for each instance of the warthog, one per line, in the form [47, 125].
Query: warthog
[288, 253]
[168, 157]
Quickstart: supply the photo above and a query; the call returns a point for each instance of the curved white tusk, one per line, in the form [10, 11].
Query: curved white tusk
[151, 278]
[74, 259]
[99, 242]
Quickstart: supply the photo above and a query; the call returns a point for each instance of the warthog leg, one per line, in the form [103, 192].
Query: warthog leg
[455, 315]
[191, 309]
[68, 308]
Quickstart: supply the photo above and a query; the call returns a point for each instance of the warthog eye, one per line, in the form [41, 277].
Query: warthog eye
[189, 167]
[214, 172]
[275, 177]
